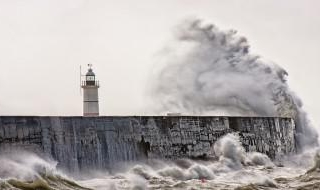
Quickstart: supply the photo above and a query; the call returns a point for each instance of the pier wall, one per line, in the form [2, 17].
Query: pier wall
[81, 143]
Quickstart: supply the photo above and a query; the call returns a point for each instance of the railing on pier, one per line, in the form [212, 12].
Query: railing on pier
[90, 83]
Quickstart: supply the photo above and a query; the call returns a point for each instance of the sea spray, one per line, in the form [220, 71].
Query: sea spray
[252, 168]
[24, 165]
[181, 174]
[230, 148]
[206, 71]
[230, 151]
[24, 170]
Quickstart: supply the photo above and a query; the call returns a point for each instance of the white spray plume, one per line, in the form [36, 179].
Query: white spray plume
[24, 165]
[231, 152]
[235, 166]
[210, 71]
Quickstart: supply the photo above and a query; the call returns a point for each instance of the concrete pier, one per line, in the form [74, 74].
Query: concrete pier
[81, 143]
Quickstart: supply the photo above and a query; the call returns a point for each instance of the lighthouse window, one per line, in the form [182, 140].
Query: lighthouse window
[90, 78]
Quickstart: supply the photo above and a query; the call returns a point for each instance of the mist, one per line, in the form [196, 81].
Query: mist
[209, 71]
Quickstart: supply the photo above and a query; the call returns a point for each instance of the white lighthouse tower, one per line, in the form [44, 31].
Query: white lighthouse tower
[90, 94]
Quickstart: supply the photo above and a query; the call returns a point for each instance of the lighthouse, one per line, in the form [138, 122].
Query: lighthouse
[90, 93]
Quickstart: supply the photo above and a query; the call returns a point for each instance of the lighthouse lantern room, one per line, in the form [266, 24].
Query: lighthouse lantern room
[90, 93]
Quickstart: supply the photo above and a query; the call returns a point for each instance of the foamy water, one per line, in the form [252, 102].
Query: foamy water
[233, 168]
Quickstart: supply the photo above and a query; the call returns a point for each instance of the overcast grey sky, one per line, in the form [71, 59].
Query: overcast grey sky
[42, 44]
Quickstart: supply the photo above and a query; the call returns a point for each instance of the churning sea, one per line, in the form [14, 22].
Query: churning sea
[232, 168]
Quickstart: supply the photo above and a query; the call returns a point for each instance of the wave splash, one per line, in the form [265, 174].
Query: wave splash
[232, 168]
[28, 171]
[208, 71]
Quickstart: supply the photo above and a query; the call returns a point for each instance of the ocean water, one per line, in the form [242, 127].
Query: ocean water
[232, 168]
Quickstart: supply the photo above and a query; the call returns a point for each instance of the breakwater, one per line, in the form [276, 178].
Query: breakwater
[83, 143]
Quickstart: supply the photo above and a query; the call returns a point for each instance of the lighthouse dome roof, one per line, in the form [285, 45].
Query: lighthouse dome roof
[90, 72]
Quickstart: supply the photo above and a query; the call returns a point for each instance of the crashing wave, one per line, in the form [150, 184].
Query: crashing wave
[208, 71]
[27, 171]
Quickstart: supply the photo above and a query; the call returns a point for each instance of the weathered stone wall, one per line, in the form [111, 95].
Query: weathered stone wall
[81, 143]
